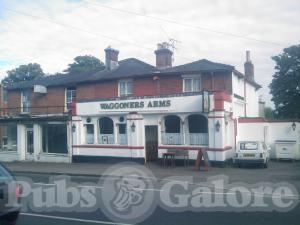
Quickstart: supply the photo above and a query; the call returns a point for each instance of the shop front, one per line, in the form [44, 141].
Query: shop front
[35, 139]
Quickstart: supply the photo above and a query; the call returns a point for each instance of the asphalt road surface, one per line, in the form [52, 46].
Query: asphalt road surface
[162, 217]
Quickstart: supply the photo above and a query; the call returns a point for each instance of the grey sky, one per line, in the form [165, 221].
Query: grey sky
[25, 39]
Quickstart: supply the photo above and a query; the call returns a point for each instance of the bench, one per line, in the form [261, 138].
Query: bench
[173, 154]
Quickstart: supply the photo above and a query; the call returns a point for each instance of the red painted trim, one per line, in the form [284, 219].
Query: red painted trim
[245, 98]
[74, 108]
[219, 105]
[109, 146]
[194, 148]
[135, 118]
[252, 120]
[263, 120]
[222, 96]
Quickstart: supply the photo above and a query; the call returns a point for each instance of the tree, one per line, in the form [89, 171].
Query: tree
[285, 85]
[23, 73]
[269, 113]
[84, 64]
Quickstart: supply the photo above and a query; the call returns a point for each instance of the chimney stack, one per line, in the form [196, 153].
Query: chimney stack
[163, 56]
[111, 58]
[249, 67]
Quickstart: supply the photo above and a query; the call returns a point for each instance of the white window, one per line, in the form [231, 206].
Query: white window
[192, 84]
[125, 87]
[26, 101]
[71, 95]
[89, 128]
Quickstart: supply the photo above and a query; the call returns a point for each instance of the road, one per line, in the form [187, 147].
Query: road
[161, 216]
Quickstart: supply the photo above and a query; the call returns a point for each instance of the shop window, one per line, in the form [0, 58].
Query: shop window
[197, 124]
[70, 96]
[192, 84]
[106, 131]
[89, 129]
[8, 134]
[26, 101]
[125, 87]
[172, 124]
[54, 138]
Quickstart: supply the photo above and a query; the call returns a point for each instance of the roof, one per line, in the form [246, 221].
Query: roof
[127, 68]
[202, 65]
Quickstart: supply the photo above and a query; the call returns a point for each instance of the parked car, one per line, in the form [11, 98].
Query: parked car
[252, 152]
[10, 193]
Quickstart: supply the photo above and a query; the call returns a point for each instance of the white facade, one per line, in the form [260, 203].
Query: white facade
[142, 113]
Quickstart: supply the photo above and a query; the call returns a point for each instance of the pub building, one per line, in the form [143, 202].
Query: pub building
[131, 110]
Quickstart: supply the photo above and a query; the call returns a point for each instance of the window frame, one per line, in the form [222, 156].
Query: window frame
[86, 132]
[192, 78]
[72, 90]
[28, 100]
[126, 81]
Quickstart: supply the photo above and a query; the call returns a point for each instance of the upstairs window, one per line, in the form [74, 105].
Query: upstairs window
[26, 101]
[70, 96]
[125, 88]
[192, 84]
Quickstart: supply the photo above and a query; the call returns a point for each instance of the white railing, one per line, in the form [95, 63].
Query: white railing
[172, 138]
[197, 139]
[106, 139]
[122, 139]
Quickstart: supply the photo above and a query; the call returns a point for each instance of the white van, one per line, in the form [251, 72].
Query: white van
[252, 152]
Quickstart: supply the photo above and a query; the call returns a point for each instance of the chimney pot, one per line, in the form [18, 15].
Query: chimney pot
[248, 56]
[111, 58]
[249, 67]
[163, 56]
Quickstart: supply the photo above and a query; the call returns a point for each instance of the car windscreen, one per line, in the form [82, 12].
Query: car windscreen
[4, 174]
[249, 146]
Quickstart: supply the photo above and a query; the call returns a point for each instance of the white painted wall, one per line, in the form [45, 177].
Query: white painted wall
[276, 131]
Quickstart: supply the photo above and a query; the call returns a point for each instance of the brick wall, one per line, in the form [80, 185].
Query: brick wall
[108, 89]
[52, 102]
[171, 85]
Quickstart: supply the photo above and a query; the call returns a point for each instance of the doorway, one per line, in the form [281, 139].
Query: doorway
[151, 137]
[29, 141]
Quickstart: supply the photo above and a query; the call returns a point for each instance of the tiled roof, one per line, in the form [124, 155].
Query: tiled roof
[130, 67]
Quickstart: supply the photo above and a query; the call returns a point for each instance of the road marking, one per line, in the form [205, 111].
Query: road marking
[72, 219]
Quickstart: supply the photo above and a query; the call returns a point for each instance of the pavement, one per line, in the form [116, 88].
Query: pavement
[285, 171]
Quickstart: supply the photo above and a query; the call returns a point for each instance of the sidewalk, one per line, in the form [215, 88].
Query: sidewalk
[277, 171]
[93, 169]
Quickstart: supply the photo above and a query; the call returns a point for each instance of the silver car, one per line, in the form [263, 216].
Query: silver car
[10, 193]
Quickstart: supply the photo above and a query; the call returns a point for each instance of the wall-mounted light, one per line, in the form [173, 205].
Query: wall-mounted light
[133, 127]
[218, 125]
[73, 128]
[226, 120]
[294, 126]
